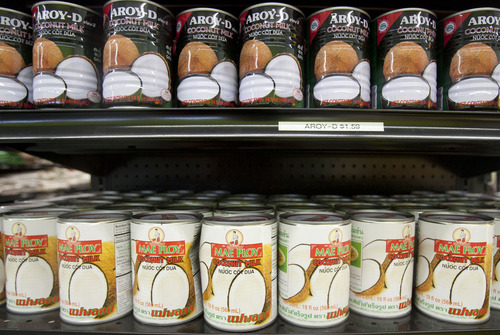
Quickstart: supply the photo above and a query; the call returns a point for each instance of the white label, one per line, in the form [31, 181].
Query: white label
[330, 126]
[495, 292]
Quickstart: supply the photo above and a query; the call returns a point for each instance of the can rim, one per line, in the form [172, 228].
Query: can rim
[337, 8]
[52, 2]
[196, 217]
[495, 213]
[469, 11]
[426, 216]
[57, 212]
[146, 1]
[285, 218]
[403, 217]
[405, 9]
[248, 219]
[272, 4]
[15, 12]
[207, 9]
[94, 217]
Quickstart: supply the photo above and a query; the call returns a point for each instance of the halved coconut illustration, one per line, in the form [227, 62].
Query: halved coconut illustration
[430, 74]
[321, 281]
[471, 89]
[405, 58]
[12, 90]
[473, 59]
[88, 286]
[26, 77]
[398, 277]
[2, 276]
[226, 75]
[471, 276]
[144, 280]
[170, 276]
[299, 280]
[196, 58]
[244, 292]
[118, 83]
[426, 255]
[362, 74]
[48, 87]
[154, 74]
[197, 88]
[339, 284]
[335, 57]
[255, 85]
[496, 74]
[405, 89]
[119, 53]
[46, 55]
[11, 61]
[335, 89]
[80, 76]
[65, 272]
[35, 278]
[286, 74]
[254, 56]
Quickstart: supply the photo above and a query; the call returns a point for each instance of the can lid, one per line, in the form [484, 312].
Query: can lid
[38, 213]
[314, 218]
[15, 12]
[197, 9]
[339, 8]
[142, 1]
[450, 217]
[24, 205]
[245, 209]
[64, 3]
[94, 217]
[241, 220]
[471, 10]
[405, 10]
[382, 216]
[272, 4]
[165, 217]
[494, 213]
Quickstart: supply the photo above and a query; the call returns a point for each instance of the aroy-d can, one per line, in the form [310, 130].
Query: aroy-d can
[30, 243]
[405, 68]
[67, 55]
[313, 260]
[16, 70]
[207, 46]
[165, 254]
[338, 58]
[137, 60]
[271, 59]
[470, 74]
[382, 263]
[238, 271]
[95, 272]
[453, 271]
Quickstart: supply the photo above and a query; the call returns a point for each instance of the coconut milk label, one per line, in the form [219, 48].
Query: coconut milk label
[207, 43]
[67, 55]
[471, 51]
[137, 61]
[454, 269]
[314, 273]
[495, 296]
[339, 59]
[2, 265]
[16, 70]
[95, 271]
[405, 68]
[272, 56]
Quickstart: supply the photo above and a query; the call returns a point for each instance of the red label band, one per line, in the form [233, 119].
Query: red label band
[460, 248]
[330, 250]
[80, 247]
[173, 248]
[237, 252]
[400, 245]
[26, 242]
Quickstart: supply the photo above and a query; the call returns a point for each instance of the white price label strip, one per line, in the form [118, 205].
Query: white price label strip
[330, 126]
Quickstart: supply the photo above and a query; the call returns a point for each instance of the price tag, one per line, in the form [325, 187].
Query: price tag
[330, 126]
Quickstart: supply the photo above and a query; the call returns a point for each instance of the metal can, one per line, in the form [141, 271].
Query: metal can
[471, 48]
[16, 70]
[95, 272]
[339, 59]
[313, 261]
[405, 67]
[382, 263]
[243, 209]
[137, 60]
[238, 271]
[453, 271]
[271, 59]
[165, 254]
[207, 46]
[206, 211]
[31, 271]
[67, 54]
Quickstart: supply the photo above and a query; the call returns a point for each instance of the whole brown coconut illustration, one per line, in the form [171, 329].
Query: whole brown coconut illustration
[11, 61]
[119, 53]
[404, 58]
[196, 57]
[335, 57]
[254, 56]
[46, 55]
[472, 59]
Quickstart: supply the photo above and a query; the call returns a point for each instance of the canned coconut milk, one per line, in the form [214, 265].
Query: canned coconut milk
[272, 56]
[453, 271]
[94, 266]
[207, 45]
[166, 273]
[30, 243]
[137, 61]
[405, 68]
[382, 262]
[471, 49]
[313, 261]
[67, 55]
[16, 69]
[238, 271]
[338, 60]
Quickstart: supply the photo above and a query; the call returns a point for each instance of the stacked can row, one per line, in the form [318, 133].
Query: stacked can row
[244, 270]
[271, 56]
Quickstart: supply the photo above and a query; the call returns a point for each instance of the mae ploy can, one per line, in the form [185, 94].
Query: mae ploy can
[165, 255]
[207, 49]
[382, 262]
[16, 70]
[67, 55]
[271, 62]
[454, 266]
[470, 74]
[95, 272]
[313, 261]
[405, 67]
[137, 60]
[238, 271]
[339, 58]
